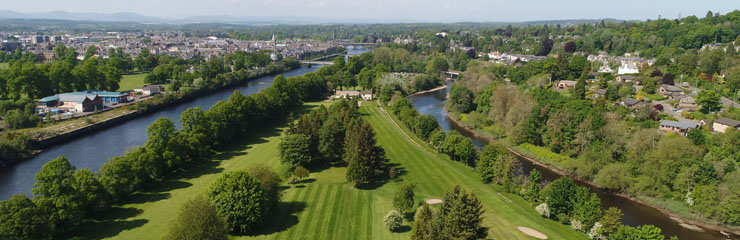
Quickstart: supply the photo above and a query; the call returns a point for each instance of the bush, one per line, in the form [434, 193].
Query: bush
[393, 220]
[543, 210]
[240, 199]
[198, 219]
[403, 199]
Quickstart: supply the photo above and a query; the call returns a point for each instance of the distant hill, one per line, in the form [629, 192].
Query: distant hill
[62, 15]
[135, 17]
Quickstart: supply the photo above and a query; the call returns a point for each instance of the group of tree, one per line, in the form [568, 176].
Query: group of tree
[64, 197]
[459, 217]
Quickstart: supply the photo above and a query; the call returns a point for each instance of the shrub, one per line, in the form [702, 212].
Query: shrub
[393, 220]
[198, 219]
[543, 210]
[403, 199]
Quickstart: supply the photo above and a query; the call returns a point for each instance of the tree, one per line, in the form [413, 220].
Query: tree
[649, 86]
[365, 159]
[614, 176]
[403, 198]
[709, 101]
[496, 164]
[460, 216]
[423, 225]
[696, 136]
[331, 140]
[54, 192]
[570, 47]
[425, 125]
[393, 220]
[198, 219]
[579, 92]
[465, 151]
[21, 219]
[668, 79]
[558, 197]
[643, 232]
[461, 99]
[611, 221]
[91, 192]
[295, 150]
[300, 173]
[533, 189]
[270, 185]
[240, 199]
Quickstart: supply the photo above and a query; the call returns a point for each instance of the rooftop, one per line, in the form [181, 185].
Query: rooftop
[679, 125]
[728, 122]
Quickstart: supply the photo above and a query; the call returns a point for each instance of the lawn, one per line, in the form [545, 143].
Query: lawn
[4, 65]
[131, 81]
[325, 206]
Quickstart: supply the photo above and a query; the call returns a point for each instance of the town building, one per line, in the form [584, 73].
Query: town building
[625, 78]
[367, 95]
[722, 124]
[680, 128]
[688, 104]
[628, 68]
[149, 90]
[670, 91]
[566, 84]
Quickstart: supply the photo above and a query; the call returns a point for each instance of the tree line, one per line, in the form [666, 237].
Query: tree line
[64, 196]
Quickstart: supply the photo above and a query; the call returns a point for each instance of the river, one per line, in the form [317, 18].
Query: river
[634, 213]
[91, 151]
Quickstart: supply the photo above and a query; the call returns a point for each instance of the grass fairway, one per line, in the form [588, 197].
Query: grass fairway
[131, 81]
[325, 206]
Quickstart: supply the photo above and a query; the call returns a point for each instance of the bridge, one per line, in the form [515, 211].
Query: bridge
[315, 62]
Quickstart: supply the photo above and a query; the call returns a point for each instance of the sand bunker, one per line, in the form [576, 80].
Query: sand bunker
[532, 232]
[434, 201]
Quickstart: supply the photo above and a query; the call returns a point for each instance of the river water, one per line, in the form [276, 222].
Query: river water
[634, 213]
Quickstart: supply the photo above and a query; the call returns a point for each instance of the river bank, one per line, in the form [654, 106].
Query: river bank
[428, 91]
[683, 221]
[144, 108]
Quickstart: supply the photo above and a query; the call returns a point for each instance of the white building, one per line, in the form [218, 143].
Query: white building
[629, 68]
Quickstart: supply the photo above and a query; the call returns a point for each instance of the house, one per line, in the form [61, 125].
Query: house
[630, 103]
[680, 128]
[670, 91]
[599, 93]
[566, 84]
[367, 95]
[688, 104]
[148, 90]
[625, 78]
[605, 69]
[722, 124]
[346, 94]
[628, 68]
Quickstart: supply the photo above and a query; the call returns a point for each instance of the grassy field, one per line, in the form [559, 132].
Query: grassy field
[132, 81]
[4, 65]
[325, 206]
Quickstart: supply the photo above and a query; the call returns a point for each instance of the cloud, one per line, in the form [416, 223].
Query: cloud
[319, 4]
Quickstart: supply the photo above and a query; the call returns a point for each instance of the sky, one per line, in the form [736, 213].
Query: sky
[406, 10]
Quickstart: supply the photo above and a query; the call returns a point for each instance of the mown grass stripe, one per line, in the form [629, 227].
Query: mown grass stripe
[311, 230]
[356, 211]
[336, 212]
[369, 218]
[302, 216]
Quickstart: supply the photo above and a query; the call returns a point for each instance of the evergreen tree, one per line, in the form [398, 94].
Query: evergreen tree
[423, 223]
[460, 216]
[365, 159]
[579, 92]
